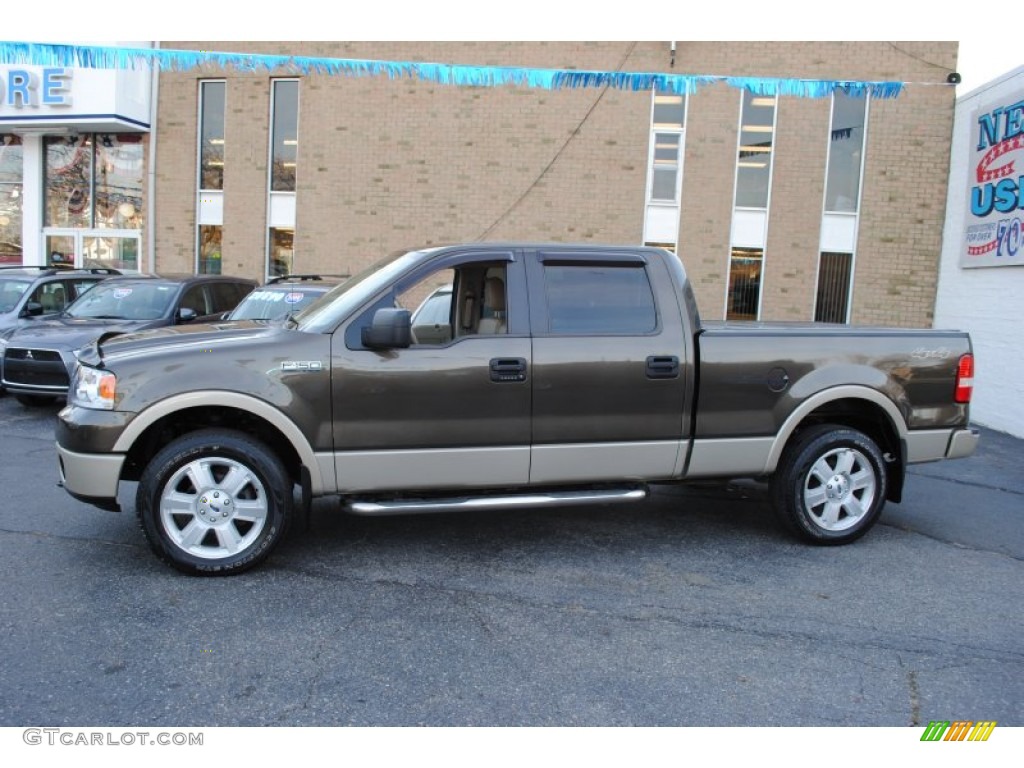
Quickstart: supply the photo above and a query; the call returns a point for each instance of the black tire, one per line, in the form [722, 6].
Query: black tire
[35, 401]
[214, 502]
[830, 485]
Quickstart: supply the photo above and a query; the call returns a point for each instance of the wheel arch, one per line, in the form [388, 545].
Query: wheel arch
[861, 408]
[154, 427]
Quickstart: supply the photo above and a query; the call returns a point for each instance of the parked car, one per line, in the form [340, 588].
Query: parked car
[38, 359]
[283, 296]
[30, 293]
[431, 322]
[569, 375]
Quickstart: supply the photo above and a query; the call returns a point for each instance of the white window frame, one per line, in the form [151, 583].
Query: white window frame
[209, 202]
[657, 208]
[827, 215]
[281, 206]
[751, 218]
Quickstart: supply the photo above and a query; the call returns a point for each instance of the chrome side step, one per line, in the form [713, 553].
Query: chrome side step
[486, 503]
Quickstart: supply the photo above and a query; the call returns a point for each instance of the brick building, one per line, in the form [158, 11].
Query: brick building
[781, 208]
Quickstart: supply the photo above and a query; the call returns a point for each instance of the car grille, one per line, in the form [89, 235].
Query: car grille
[34, 368]
[39, 355]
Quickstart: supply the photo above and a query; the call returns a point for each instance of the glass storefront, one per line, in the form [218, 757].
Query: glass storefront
[12, 194]
[93, 212]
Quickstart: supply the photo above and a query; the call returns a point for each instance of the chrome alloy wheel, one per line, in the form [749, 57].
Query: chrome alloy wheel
[213, 507]
[840, 489]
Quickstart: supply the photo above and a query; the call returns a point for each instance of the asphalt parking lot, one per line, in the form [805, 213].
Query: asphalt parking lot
[691, 608]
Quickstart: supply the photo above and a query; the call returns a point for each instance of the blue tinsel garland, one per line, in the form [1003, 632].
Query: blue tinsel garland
[103, 57]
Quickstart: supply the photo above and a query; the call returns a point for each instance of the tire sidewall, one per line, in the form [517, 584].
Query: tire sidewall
[205, 444]
[792, 476]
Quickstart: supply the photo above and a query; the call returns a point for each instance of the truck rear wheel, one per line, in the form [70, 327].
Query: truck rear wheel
[830, 485]
[214, 502]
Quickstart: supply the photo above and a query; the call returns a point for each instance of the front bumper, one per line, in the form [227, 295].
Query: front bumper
[90, 477]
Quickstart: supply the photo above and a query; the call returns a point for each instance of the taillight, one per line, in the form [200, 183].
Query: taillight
[964, 379]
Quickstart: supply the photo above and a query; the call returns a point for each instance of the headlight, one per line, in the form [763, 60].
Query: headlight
[93, 388]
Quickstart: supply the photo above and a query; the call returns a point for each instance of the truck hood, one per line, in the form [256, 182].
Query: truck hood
[67, 334]
[114, 346]
[254, 359]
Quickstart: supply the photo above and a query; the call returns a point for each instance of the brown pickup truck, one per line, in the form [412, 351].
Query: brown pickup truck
[492, 376]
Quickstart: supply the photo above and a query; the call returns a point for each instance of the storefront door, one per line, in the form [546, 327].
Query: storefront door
[88, 248]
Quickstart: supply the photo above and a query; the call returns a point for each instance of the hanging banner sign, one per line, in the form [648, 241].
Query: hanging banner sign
[993, 235]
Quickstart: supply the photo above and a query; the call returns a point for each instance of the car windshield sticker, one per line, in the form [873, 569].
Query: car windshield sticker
[294, 298]
[120, 293]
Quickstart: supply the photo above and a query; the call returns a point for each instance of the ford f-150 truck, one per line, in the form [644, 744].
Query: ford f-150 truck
[559, 374]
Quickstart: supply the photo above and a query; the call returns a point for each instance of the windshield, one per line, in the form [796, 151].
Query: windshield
[10, 292]
[264, 304]
[323, 316]
[124, 301]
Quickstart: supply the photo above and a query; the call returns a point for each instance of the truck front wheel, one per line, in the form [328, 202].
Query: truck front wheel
[214, 502]
[830, 485]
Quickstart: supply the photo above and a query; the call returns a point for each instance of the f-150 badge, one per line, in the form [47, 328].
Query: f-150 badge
[302, 365]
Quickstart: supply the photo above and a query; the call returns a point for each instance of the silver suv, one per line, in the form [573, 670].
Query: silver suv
[30, 293]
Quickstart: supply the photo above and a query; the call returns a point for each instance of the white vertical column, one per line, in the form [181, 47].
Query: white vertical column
[33, 188]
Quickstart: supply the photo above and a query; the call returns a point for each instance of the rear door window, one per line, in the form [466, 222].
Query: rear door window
[225, 296]
[195, 299]
[597, 298]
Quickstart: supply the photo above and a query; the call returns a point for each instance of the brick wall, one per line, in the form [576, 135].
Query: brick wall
[388, 164]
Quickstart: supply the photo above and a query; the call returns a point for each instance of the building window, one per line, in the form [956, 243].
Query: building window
[285, 138]
[120, 173]
[209, 249]
[94, 181]
[68, 181]
[750, 207]
[744, 283]
[211, 148]
[840, 219]
[665, 169]
[282, 251]
[754, 161]
[832, 301]
[284, 152]
[845, 153]
[210, 181]
[11, 196]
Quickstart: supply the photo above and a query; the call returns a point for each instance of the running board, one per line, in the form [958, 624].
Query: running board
[485, 503]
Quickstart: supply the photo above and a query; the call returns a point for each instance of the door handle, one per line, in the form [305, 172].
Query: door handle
[662, 367]
[505, 369]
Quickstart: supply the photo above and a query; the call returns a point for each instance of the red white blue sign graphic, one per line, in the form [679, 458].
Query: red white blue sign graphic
[993, 235]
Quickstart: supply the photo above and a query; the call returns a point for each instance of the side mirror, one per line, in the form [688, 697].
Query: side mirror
[390, 329]
[32, 309]
[187, 315]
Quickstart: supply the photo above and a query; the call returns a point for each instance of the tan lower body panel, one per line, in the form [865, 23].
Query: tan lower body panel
[368, 471]
[604, 462]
